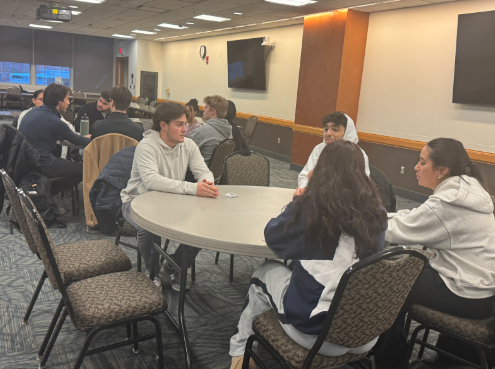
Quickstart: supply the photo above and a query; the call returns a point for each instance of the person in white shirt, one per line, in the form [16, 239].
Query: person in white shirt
[160, 164]
[35, 102]
[337, 126]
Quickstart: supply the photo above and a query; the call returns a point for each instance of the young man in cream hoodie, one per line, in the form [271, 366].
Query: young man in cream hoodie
[337, 126]
[160, 164]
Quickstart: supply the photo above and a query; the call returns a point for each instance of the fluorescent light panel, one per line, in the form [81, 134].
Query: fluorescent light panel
[360, 6]
[143, 32]
[236, 13]
[91, 1]
[54, 21]
[189, 23]
[292, 2]
[211, 18]
[121, 36]
[73, 6]
[75, 12]
[39, 26]
[168, 25]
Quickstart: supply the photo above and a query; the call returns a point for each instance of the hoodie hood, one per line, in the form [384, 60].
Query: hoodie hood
[465, 192]
[350, 131]
[221, 125]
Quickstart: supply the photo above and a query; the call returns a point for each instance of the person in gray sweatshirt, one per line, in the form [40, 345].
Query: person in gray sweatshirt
[216, 129]
[160, 164]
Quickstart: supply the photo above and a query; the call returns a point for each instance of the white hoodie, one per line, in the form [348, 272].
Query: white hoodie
[458, 225]
[158, 167]
[349, 135]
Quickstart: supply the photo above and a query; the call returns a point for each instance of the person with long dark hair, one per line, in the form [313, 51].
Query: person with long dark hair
[192, 109]
[240, 142]
[36, 102]
[337, 221]
[458, 225]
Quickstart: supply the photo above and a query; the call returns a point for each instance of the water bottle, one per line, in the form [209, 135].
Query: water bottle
[84, 125]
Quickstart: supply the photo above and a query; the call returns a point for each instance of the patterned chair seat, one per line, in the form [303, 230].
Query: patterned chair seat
[112, 297]
[478, 330]
[87, 259]
[268, 326]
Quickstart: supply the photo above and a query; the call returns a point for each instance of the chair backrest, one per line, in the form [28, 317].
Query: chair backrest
[79, 98]
[224, 148]
[14, 93]
[12, 194]
[69, 115]
[142, 100]
[252, 170]
[385, 189]
[369, 297]
[153, 103]
[251, 124]
[41, 237]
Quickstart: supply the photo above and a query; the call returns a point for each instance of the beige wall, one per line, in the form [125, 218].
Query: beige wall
[408, 77]
[188, 76]
[148, 59]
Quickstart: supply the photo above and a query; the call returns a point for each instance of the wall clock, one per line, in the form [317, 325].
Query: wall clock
[202, 51]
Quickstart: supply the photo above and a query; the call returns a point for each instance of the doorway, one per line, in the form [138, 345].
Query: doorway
[121, 70]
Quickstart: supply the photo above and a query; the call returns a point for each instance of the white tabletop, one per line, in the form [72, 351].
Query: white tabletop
[230, 225]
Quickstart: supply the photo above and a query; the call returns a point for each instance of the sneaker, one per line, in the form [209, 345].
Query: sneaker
[158, 282]
[58, 209]
[238, 360]
[174, 277]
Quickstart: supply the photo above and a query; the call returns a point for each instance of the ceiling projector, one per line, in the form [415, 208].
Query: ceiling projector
[50, 13]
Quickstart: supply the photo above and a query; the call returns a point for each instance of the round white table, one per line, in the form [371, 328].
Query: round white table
[232, 225]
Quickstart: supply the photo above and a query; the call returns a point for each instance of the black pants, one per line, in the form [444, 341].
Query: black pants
[430, 291]
[69, 173]
[191, 255]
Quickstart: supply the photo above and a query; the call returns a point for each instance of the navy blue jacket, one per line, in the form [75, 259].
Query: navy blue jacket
[42, 127]
[315, 275]
[105, 193]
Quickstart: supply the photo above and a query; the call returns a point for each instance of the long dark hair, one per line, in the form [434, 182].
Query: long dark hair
[451, 154]
[342, 199]
[193, 103]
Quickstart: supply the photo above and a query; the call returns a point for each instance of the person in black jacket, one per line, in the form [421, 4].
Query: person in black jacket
[42, 127]
[105, 193]
[240, 141]
[95, 111]
[118, 121]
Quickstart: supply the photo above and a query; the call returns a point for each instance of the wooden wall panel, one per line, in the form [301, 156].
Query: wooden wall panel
[305, 144]
[319, 72]
[351, 71]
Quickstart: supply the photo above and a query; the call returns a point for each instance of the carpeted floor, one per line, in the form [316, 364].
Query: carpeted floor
[213, 305]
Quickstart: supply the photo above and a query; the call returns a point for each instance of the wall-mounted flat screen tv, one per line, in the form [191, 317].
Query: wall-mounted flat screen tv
[246, 64]
[474, 76]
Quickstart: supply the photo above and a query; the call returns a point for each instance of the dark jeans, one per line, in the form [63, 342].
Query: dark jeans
[69, 172]
[191, 255]
[431, 291]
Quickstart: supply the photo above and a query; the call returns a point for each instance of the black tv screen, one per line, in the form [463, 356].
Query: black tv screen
[246, 64]
[474, 76]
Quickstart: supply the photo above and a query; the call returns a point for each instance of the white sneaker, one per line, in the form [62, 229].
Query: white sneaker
[158, 282]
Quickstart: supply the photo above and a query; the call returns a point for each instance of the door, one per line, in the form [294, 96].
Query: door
[149, 85]
[121, 70]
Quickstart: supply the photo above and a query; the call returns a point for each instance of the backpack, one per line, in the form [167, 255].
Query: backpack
[39, 189]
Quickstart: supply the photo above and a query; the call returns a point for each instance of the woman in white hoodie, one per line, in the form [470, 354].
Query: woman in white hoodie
[456, 223]
[337, 126]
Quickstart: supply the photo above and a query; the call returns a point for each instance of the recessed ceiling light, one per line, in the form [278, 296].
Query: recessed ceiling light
[143, 32]
[75, 12]
[292, 2]
[211, 18]
[238, 13]
[122, 36]
[174, 26]
[39, 26]
[156, 29]
[189, 23]
[92, 1]
[73, 6]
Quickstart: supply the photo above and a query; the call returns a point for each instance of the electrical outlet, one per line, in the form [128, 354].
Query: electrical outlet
[402, 170]
[278, 140]
[167, 91]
